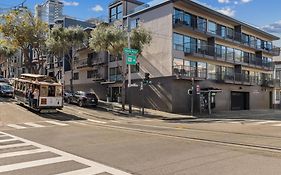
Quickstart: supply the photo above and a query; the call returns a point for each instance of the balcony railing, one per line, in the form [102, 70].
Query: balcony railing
[236, 37]
[89, 62]
[186, 72]
[214, 53]
[115, 77]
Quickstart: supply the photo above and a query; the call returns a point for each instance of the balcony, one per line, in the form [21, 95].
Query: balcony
[89, 62]
[213, 53]
[234, 37]
[115, 78]
[187, 72]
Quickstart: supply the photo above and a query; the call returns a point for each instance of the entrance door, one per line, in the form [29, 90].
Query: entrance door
[270, 100]
[240, 100]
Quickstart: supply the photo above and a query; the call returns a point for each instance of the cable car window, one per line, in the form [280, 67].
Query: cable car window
[51, 91]
[44, 91]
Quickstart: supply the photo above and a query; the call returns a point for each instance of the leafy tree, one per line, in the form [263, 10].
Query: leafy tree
[25, 32]
[66, 41]
[113, 40]
[6, 52]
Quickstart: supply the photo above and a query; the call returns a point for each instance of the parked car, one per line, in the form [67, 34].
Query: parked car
[82, 98]
[3, 80]
[66, 96]
[6, 90]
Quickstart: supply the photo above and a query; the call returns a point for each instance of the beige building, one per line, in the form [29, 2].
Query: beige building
[191, 41]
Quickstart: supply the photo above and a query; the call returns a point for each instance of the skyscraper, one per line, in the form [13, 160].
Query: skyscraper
[49, 11]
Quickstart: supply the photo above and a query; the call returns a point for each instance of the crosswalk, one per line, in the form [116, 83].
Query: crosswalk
[51, 123]
[22, 157]
[246, 122]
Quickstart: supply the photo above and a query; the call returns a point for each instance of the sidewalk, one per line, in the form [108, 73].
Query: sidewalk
[148, 113]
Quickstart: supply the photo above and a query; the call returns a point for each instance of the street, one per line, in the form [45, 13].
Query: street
[93, 141]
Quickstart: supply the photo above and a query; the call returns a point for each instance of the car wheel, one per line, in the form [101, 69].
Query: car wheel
[81, 104]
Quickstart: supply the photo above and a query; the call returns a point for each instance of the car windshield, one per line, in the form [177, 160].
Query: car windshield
[6, 87]
[90, 95]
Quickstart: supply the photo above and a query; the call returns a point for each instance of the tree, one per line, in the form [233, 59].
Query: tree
[25, 32]
[113, 40]
[6, 52]
[66, 41]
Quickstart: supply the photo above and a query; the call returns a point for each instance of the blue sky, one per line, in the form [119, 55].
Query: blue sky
[261, 13]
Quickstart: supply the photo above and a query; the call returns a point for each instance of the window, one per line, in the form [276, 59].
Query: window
[237, 55]
[252, 41]
[212, 71]
[229, 33]
[201, 69]
[223, 31]
[177, 65]
[258, 43]
[113, 58]
[76, 76]
[92, 73]
[178, 42]
[246, 57]
[187, 19]
[202, 46]
[135, 23]
[201, 24]
[277, 97]
[178, 16]
[116, 13]
[218, 51]
[212, 27]
[230, 54]
[245, 39]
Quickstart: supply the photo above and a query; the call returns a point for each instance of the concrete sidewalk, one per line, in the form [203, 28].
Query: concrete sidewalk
[148, 113]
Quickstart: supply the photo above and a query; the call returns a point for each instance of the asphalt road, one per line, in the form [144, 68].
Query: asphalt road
[81, 141]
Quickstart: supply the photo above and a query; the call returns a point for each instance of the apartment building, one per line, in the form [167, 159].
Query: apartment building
[277, 87]
[193, 43]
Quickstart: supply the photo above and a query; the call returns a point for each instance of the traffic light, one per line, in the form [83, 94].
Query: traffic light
[146, 79]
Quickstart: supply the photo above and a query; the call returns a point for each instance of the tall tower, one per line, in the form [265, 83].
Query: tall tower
[49, 11]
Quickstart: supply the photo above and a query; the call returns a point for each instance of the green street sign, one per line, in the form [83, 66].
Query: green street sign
[128, 51]
[131, 59]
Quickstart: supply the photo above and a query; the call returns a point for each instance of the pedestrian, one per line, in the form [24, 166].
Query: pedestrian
[35, 98]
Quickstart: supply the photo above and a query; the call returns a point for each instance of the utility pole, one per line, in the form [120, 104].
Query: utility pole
[129, 66]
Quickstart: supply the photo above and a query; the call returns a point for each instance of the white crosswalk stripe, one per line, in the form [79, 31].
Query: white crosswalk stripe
[57, 123]
[34, 125]
[93, 168]
[16, 126]
[96, 121]
[86, 171]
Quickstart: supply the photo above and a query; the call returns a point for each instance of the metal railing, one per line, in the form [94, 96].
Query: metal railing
[89, 62]
[115, 77]
[226, 77]
[232, 36]
[213, 52]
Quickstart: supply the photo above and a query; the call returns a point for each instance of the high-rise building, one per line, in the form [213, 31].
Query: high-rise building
[49, 11]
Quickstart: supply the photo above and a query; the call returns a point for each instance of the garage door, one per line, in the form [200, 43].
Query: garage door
[239, 100]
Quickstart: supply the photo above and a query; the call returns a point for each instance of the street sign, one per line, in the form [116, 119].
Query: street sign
[128, 51]
[131, 59]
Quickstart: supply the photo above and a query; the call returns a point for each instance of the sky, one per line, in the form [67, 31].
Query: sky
[265, 14]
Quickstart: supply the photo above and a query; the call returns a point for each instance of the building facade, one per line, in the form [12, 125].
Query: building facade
[193, 42]
[49, 11]
[277, 87]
